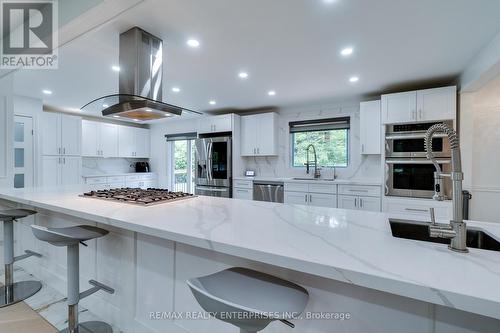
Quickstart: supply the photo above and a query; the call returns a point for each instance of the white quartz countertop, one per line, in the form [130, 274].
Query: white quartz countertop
[312, 180]
[352, 246]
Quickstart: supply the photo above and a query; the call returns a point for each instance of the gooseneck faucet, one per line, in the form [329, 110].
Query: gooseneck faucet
[317, 173]
[457, 229]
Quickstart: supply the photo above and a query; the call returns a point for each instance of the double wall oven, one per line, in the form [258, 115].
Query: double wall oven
[408, 173]
[213, 166]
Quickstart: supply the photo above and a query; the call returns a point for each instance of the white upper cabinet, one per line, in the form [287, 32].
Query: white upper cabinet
[61, 134]
[99, 139]
[370, 128]
[259, 135]
[133, 142]
[108, 140]
[60, 170]
[142, 142]
[216, 124]
[437, 104]
[399, 108]
[422, 105]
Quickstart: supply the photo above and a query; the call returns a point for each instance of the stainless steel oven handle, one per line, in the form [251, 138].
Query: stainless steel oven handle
[407, 136]
[416, 161]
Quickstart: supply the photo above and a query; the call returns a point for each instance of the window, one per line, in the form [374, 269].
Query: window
[182, 162]
[330, 138]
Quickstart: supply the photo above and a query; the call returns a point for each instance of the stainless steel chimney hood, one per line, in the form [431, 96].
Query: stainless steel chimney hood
[140, 82]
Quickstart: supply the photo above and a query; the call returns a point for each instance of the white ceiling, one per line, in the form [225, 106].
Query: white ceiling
[290, 46]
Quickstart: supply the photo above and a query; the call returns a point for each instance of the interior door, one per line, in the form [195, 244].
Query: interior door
[23, 152]
[71, 135]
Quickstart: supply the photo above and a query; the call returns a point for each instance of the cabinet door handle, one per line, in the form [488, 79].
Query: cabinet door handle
[64, 160]
[362, 147]
[64, 151]
[361, 202]
[420, 114]
[59, 150]
[258, 150]
[355, 202]
[310, 198]
[416, 210]
[305, 199]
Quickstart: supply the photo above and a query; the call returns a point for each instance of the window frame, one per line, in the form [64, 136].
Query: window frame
[312, 122]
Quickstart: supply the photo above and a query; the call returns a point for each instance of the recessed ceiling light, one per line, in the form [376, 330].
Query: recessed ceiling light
[329, 1]
[193, 43]
[271, 93]
[354, 79]
[347, 51]
[176, 89]
[115, 68]
[212, 102]
[243, 75]
[105, 105]
[47, 92]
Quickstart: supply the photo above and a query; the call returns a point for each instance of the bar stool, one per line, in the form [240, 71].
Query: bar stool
[13, 292]
[249, 299]
[71, 237]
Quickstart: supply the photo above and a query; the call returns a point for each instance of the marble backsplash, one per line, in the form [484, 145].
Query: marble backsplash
[107, 166]
[360, 166]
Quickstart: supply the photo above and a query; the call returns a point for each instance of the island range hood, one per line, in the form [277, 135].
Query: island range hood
[140, 82]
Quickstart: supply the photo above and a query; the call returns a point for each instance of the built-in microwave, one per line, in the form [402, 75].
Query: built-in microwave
[407, 140]
[414, 177]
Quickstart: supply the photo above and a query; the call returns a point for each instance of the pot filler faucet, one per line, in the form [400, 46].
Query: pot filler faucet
[317, 173]
[457, 229]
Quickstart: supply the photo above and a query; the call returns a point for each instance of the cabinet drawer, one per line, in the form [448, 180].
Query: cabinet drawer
[323, 188]
[418, 209]
[117, 185]
[243, 184]
[242, 193]
[116, 179]
[133, 178]
[364, 190]
[296, 187]
[146, 177]
[95, 180]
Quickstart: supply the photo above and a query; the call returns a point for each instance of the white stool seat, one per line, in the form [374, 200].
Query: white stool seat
[259, 297]
[67, 236]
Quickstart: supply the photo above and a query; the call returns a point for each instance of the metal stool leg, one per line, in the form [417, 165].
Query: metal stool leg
[13, 292]
[73, 260]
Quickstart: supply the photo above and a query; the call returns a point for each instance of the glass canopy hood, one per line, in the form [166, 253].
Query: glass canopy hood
[140, 82]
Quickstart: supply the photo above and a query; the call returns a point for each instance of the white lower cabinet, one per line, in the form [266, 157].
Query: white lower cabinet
[360, 197]
[348, 202]
[320, 195]
[323, 200]
[60, 170]
[143, 181]
[243, 189]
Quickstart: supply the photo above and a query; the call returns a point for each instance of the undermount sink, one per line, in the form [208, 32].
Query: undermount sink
[476, 239]
[315, 179]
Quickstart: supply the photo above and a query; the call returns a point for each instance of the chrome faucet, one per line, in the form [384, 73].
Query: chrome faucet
[317, 173]
[457, 229]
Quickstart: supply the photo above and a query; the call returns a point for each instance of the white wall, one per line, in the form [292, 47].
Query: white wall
[360, 166]
[480, 142]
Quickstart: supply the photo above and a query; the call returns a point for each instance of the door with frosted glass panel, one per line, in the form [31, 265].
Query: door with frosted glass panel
[23, 152]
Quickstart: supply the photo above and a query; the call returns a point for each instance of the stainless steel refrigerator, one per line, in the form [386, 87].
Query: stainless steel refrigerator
[213, 163]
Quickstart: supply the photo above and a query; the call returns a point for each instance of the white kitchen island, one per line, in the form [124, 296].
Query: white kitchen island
[348, 260]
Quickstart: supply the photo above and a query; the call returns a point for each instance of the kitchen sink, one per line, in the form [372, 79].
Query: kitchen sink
[315, 179]
[476, 239]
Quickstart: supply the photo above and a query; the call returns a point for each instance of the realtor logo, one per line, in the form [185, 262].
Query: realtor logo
[29, 33]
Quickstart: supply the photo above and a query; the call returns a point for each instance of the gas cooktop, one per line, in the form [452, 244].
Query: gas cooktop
[138, 196]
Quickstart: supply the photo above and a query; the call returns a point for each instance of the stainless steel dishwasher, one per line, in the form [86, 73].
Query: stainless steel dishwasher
[268, 191]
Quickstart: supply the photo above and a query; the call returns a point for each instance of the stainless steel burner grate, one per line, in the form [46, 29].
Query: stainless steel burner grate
[138, 196]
